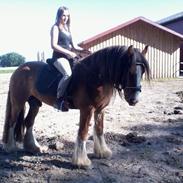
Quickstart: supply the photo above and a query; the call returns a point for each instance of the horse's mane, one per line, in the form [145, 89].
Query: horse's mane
[107, 66]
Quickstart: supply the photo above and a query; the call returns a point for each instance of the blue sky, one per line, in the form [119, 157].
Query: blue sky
[25, 24]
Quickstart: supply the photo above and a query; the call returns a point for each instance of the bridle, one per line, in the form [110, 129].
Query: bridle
[135, 88]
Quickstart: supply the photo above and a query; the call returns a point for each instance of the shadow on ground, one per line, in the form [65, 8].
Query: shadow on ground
[136, 158]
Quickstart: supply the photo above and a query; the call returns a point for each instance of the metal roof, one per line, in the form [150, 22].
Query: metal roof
[171, 18]
[121, 26]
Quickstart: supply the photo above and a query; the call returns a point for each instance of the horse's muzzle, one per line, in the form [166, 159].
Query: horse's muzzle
[132, 102]
[132, 99]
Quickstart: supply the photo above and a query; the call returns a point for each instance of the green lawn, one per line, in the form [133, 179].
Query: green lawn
[4, 70]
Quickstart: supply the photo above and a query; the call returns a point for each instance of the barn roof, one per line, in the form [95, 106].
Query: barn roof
[121, 26]
[172, 18]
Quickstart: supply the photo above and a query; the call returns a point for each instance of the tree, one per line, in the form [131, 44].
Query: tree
[11, 59]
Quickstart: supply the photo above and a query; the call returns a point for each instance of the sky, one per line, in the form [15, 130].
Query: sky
[25, 24]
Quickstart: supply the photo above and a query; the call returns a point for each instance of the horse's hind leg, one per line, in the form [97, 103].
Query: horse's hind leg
[100, 147]
[13, 110]
[30, 143]
[9, 142]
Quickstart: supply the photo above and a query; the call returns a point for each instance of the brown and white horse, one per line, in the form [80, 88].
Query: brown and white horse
[94, 80]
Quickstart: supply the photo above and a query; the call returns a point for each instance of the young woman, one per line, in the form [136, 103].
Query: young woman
[61, 43]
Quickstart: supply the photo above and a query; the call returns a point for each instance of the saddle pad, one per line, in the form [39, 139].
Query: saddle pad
[47, 80]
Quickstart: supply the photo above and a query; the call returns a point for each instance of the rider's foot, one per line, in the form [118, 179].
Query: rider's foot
[61, 105]
[64, 106]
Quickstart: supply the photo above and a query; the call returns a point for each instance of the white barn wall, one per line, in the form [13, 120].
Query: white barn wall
[163, 52]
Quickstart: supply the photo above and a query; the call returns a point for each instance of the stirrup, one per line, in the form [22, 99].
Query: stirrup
[61, 105]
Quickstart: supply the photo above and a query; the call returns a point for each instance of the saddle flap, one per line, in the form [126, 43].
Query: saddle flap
[48, 79]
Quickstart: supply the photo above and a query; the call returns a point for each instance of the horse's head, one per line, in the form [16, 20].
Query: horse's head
[138, 66]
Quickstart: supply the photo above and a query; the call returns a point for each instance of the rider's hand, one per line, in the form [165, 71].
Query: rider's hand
[73, 55]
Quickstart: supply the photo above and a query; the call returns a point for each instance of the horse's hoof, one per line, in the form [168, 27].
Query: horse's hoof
[36, 149]
[82, 164]
[43, 149]
[107, 154]
[9, 148]
[84, 167]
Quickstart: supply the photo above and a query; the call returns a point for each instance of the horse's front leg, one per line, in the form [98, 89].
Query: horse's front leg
[101, 149]
[80, 157]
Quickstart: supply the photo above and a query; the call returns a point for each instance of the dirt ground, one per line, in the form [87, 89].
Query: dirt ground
[146, 140]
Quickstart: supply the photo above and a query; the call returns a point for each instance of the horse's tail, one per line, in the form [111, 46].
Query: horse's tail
[19, 127]
[7, 119]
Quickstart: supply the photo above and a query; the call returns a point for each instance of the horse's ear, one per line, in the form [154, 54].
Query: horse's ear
[145, 50]
[130, 50]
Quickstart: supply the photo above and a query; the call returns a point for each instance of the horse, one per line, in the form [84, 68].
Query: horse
[95, 79]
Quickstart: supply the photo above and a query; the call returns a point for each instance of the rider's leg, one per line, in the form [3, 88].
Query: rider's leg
[63, 66]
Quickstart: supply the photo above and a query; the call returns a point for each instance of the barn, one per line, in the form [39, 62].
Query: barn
[175, 22]
[164, 44]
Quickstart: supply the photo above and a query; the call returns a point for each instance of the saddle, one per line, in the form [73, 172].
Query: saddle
[48, 79]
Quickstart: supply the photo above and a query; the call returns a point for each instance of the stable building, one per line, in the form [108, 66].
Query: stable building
[175, 23]
[164, 44]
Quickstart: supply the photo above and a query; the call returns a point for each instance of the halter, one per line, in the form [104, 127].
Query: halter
[135, 88]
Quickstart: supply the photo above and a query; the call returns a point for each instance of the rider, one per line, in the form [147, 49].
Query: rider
[61, 43]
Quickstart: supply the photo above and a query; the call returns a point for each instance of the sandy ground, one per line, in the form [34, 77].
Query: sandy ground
[146, 140]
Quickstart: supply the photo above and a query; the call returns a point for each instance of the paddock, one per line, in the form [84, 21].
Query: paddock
[146, 140]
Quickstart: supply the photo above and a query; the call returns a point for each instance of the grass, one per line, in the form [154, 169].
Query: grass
[5, 70]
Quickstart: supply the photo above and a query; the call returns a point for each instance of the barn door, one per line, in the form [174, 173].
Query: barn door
[181, 60]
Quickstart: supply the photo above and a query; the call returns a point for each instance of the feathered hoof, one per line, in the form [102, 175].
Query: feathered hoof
[10, 148]
[82, 163]
[107, 154]
[36, 149]
[43, 149]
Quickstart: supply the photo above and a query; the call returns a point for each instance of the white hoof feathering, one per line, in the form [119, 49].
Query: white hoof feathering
[101, 149]
[80, 157]
[10, 146]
